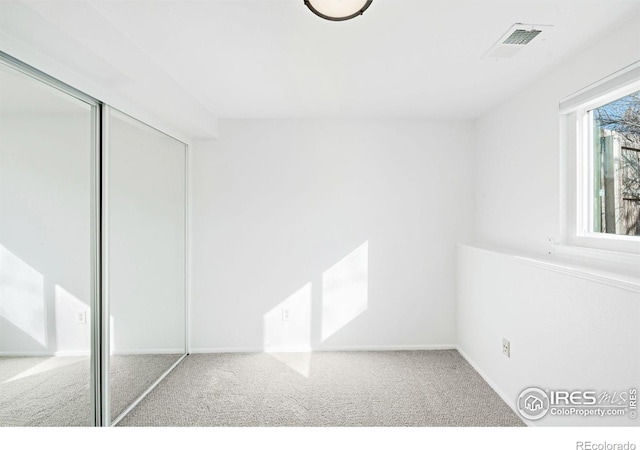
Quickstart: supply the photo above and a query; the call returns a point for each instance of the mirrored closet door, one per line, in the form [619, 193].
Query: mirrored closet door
[145, 189]
[92, 254]
[47, 143]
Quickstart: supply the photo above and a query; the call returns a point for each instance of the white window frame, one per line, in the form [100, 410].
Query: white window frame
[578, 235]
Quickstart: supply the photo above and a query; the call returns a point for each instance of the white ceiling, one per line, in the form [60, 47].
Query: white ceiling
[274, 58]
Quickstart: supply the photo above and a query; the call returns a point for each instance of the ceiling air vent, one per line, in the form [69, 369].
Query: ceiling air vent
[514, 40]
[521, 37]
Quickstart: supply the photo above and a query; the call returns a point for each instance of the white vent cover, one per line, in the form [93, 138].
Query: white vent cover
[521, 37]
[514, 40]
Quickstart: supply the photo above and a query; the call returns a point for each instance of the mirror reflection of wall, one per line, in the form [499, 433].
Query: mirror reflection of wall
[45, 259]
[146, 187]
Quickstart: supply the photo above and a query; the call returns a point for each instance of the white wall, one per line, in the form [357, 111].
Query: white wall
[565, 332]
[351, 225]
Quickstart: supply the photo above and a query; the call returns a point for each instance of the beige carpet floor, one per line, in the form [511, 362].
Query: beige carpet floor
[397, 388]
[54, 391]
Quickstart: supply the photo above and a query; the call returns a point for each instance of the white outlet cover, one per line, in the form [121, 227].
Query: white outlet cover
[506, 348]
[81, 317]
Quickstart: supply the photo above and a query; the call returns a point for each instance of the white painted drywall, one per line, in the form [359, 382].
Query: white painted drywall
[44, 229]
[565, 332]
[352, 225]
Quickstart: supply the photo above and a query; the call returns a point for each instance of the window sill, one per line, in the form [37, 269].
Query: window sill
[624, 259]
[615, 269]
[620, 264]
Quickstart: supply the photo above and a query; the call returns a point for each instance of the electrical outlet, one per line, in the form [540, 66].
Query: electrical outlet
[286, 313]
[506, 348]
[81, 317]
[551, 245]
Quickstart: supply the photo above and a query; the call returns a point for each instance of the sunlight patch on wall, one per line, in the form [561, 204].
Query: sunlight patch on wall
[287, 326]
[71, 335]
[22, 296]
[345, 290]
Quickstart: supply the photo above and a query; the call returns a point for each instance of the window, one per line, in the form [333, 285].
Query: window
[602, 158]
[615, 149]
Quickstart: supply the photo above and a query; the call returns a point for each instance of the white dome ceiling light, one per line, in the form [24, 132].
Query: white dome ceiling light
[338, 10]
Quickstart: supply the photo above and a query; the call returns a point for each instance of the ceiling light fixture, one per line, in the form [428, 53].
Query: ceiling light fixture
[338, 10]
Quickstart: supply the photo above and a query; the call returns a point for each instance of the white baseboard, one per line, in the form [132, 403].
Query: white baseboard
[19, 354]
[161, 351]
[225, 350]
[50, 354]
[354, 348]
[149, 351]
[507, 399]
[385, 348]
[72, 353]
